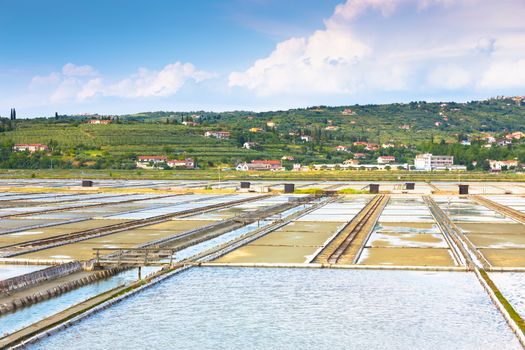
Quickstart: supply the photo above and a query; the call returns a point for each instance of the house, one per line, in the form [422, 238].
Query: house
[331, 128]
[465, 143]
[341, 149]
[187, 163]
[299, 167]
[270, 124]
[504, 142]
[218, 134]
[99, 121]
[498, 165]
[351, 162]
[438, 123]
[490, 139]
[515, 135]
[296, 167]
[386, 159]
[288, 158]
[360, 143]
[371, 147]
[31, 147]
[405, 127]
[429, 162]
[347, 111]
[255, 129]
[258, 165]
[487, 145]
[359, 155]
[388, 145]
[149, 162]
[250, 145]
[306, 138]
[152, 159]
[187, 123]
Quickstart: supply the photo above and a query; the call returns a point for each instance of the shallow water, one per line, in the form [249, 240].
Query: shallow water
[235, 308]
[9, 271]
[24, 317]
[512, 285]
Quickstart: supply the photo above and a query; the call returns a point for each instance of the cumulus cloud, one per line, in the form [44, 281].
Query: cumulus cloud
[166, 82]
[80, 83]
[398, 45]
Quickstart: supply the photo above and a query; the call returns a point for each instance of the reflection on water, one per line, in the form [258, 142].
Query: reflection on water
[235, 308]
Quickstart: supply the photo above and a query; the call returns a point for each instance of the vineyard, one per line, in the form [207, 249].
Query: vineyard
[410, 128]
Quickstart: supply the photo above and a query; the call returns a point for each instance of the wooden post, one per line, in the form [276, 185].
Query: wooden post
[140, 273]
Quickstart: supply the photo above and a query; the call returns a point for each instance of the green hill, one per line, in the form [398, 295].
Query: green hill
[414, 127]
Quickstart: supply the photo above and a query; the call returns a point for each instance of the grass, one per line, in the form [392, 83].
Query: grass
[508, 307]
[309, 191]
[351, 191]
[334, 175]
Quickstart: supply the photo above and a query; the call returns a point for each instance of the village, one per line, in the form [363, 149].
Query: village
[358, 154]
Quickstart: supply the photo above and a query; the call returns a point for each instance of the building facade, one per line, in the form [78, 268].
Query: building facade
[429, 162]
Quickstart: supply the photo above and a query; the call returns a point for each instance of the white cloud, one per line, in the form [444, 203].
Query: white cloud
[52, 78]
[81, 83]
[166, 82]
[72, 70]
[414, 45]
[449, 77]
[504, 75]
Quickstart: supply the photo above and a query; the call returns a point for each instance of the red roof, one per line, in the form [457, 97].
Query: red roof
[30, 145]
[269, 162]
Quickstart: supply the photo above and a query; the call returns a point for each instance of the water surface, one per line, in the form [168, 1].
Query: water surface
[236, 308]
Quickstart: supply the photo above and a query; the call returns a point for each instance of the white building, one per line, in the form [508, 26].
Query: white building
[217, 134]
[306, 138]
[429, 162]
[386, 159]
[497, 165]
[31, 147]
[249, 145]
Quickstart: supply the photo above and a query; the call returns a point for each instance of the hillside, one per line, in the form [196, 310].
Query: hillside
[411, 128]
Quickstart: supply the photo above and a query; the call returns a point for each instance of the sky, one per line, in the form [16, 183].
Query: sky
[129, 56]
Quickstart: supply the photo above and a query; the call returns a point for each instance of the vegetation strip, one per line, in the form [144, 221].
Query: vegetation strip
[512, 312]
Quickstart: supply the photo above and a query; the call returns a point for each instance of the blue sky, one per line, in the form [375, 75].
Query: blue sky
[125, 56]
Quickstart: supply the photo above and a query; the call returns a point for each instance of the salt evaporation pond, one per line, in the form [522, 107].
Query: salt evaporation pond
[232, 308]
[12, 322]
[10, 271]
[512, 285]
